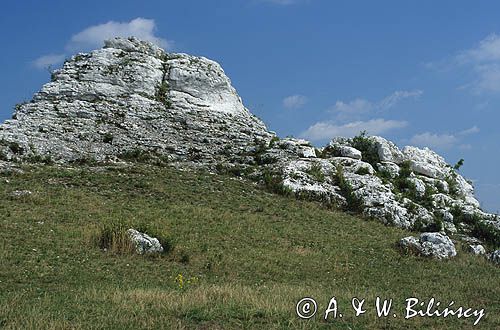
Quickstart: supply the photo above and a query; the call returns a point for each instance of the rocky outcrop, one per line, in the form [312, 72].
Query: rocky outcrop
[132, 101]
[435, 245]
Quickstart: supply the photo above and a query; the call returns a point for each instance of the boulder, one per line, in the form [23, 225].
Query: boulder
[477, 249]
[435, 245]
[392, 169]
[144, 244]
[386, 150]
[349, 152]
[419, 186]
[495, 257]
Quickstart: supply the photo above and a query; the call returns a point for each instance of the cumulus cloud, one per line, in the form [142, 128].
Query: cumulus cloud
[93, 37]
[350, 118]
[327, 130]
[444, 141]
[47, 61]
[294, 101]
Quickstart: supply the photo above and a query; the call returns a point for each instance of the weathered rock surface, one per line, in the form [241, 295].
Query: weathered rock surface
[435, 245]
[132, 98]
[495, 257]
[477, 249]
[144, 244]
[132, 101]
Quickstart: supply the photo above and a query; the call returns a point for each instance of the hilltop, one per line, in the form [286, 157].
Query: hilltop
[133, 102]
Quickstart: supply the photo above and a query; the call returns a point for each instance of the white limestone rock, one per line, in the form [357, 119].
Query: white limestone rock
[21, 193]
[303, 182]
[386, 150]
[419, 186]
[352, 165]
[350, 152]
[495, 257]
[132, 96]
[477, 249]
[392, 169]
[144, 244]
[435, 245]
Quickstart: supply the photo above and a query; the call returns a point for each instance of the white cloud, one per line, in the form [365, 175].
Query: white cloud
[488, 78]
[488, 50]
[444, 141]
[327, 130]
[396, 97]
[294, 101]
[438, 141]
[483, 61]
[355, 108]
[47, 61]
[94, 36]
[474, 129]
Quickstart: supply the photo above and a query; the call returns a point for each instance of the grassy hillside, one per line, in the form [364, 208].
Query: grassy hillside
[246, 257]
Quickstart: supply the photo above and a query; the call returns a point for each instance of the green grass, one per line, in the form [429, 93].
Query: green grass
[250, 256]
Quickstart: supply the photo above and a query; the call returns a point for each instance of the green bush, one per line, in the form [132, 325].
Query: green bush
[480, 229]
[135, 155]
[368, 150]
[16, 148]
[274, 183]
[363, 171]
[354, 203]
[487, 233]
[273, 141]
[113, 237]
[316, 172]
[162, 94]
[37, 158]
[107, 138]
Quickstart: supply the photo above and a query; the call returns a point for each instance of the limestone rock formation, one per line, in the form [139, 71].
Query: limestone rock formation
[435, 245]
[132, 101]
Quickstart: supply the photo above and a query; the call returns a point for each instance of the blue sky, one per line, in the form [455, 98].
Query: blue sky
[424, 73]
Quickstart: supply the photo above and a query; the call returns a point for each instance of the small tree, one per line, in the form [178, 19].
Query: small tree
[458, 164]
